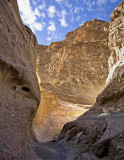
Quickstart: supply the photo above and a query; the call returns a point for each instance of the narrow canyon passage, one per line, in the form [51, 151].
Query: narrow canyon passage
[55, 103]
[70, 77]
[54, 151]
[53, 114]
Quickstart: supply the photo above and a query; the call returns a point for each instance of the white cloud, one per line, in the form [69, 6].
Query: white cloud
[37, 26]
[90, 4]
[63, 19]
[29, 16]
[48, 38]
[37, 13]
[64, 13]
[102, 2]
[64, 3]
[78, 18]
[34, 2]
[63, 22]
[82, 23]
[42, 6]
[57, 36]
[78, 9]
[51, 11]
[59, 1]
[51, 28]
[54, 36]
[68, 5]
[43, 15]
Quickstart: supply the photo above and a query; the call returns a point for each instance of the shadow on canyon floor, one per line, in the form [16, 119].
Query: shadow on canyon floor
[54, 151]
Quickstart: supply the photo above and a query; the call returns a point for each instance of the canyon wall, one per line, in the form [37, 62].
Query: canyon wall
[77, 67]
[72, 70]
[67, 71]
[99, 133]
[116, 44]
[19, 90]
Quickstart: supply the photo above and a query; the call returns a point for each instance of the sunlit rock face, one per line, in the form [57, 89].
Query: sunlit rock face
[19, 90]
[77, 67]
[116, 43]
[72, 70]
[99, 133]
[52, 114]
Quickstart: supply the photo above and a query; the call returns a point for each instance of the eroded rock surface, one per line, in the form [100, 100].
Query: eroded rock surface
[77, 67]
[52, 114]
[99, 133]
[116, 44]
[19, 90]
[72, 70]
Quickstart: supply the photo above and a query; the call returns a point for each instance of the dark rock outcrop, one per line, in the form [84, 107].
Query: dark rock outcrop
[19, 90]
[77, 67]
[99, 133]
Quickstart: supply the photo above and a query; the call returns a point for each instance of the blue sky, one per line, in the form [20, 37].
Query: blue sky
[50, 20]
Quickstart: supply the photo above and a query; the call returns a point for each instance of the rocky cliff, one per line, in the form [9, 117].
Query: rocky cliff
[72, 70]
[77, 67]
[19, 90]
[99, 133]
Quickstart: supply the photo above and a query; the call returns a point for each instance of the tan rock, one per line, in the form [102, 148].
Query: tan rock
[103, 124]
[52, 114]
[116, 43]
[76, 68]
[19, 90]
[70, 71]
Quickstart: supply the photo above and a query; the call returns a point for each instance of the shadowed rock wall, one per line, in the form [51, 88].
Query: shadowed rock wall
[19, 90]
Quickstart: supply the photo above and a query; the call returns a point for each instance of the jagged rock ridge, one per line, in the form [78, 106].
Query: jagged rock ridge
[77, 67]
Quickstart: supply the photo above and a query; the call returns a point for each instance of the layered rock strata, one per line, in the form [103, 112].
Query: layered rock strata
[19, 90]
[77, 67]
[99, 133]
